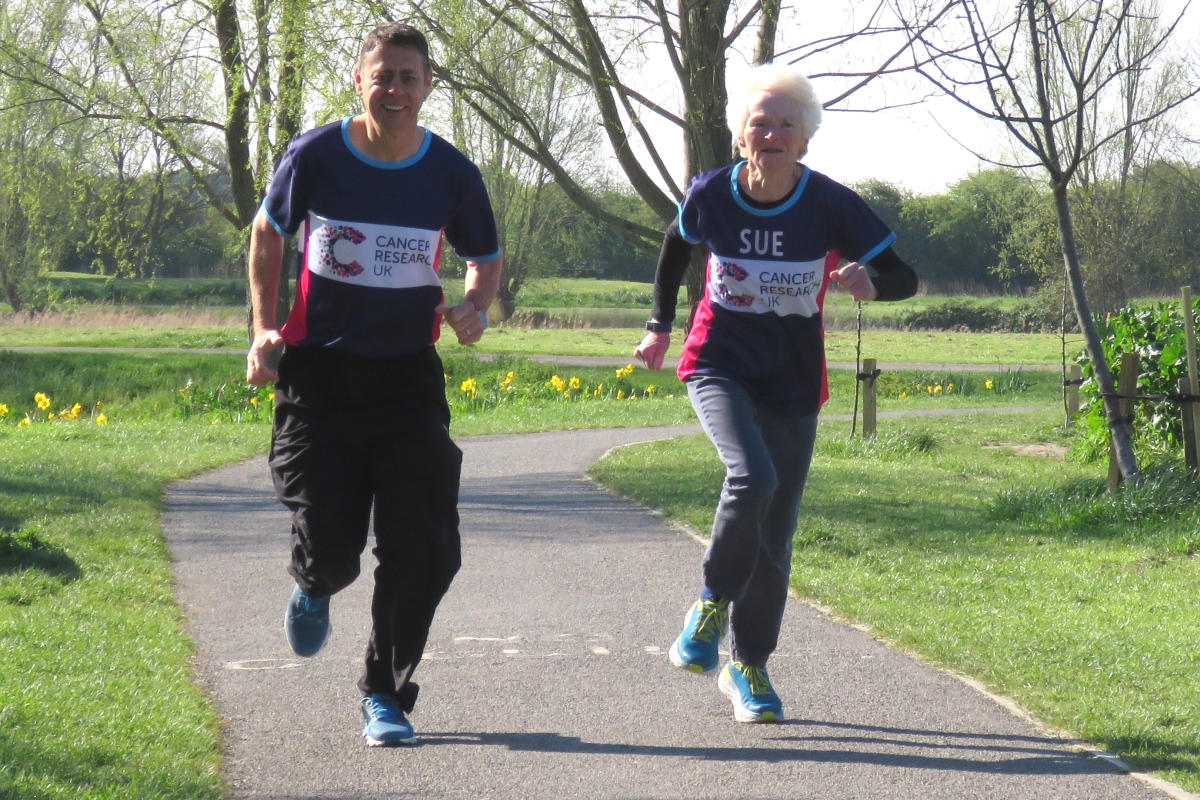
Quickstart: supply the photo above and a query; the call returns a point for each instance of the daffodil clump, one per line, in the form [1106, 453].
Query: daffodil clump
[233, 401]
[43, 412]
[479, 392]
[897, 387]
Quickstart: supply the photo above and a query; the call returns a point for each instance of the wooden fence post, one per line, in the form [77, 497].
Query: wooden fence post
[868, 367]
[1191, 450]
[1127, 387]
[1189, 426]
[1073, 395]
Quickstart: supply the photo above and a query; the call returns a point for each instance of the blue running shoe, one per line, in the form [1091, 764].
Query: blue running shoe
[696, 648]
[306, 622]
[386, 725]
[750, 690]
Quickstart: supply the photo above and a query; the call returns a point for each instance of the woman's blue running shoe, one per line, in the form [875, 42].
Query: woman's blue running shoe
[750, 690]
[696, 648]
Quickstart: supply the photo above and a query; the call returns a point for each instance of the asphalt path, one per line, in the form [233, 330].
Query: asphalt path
[546, 673]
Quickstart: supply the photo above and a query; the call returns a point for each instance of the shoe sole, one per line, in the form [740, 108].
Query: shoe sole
[386, 743]
[678, 660]
[740, 712]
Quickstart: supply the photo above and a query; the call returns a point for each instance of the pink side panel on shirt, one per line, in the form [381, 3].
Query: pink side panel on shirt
[296, 327]
[701, 324]
[437, 318]
[832, 259]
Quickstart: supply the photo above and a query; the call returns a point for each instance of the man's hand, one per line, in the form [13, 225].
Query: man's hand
[855, 280]
[464, 320]
[257, 371]
[652, 350]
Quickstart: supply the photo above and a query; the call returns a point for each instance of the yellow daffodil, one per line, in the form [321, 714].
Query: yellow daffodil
[3, 410]
[620, 394]
[253, 401]
[625, 371]
[50, 415]
[937, 389]
[271, 397]
[574, 383]
[650, 389]
[99, 404]
[23, 423]
[599, 389]
[903, 395]
[103, 420]
[558, 383]
[43, 402]
[508, 380]
[949, 387]
[987, 384]
[468, 386]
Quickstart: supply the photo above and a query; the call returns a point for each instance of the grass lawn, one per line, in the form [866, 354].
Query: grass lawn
[1003, 566]
[896, 346]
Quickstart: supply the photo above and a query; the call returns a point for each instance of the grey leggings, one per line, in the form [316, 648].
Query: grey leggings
[766, 454]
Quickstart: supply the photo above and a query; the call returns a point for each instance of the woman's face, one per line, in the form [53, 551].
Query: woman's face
[772, 139]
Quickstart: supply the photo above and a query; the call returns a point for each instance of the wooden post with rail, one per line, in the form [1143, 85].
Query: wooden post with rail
[1127, 385]
[1191, 451]
[868, 381]
[1073, 394]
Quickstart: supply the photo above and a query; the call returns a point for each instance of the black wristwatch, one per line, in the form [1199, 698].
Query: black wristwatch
[654, 326]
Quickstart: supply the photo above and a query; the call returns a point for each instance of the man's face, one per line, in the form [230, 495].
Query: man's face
[393, 84]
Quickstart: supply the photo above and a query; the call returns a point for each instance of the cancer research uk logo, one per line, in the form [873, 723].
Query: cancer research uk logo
[331, 235]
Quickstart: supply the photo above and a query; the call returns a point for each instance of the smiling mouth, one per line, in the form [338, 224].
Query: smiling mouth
[393, 108]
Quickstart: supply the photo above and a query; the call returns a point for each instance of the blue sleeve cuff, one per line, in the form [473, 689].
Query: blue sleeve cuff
[877, 249]
[278, 228]
[682, 232]
[479, 259]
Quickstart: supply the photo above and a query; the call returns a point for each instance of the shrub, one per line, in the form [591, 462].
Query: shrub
[1156, 333]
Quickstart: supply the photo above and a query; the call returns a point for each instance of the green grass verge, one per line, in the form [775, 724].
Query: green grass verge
[96, 697]
[191, 336]
[1014, 569]
[895, 346]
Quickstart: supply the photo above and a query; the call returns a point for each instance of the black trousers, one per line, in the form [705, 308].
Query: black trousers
[355, 438]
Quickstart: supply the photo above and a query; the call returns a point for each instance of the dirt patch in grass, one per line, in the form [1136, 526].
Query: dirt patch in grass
[1051, 450]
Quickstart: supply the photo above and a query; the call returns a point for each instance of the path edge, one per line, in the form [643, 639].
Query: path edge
[1073, 743]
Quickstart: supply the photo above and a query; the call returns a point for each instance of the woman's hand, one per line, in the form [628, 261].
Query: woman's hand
[854, 279]
[652, 349]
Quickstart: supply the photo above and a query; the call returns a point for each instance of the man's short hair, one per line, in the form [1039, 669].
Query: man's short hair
[396, 34]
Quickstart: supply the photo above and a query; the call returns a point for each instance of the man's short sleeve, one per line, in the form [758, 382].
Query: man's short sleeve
[472, 232]
[859, 233]
[288, 194]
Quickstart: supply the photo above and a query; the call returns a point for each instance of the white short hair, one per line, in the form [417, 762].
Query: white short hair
[781, 79]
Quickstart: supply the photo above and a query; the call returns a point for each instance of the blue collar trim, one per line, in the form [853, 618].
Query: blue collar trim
[374, 162]
[766, 212]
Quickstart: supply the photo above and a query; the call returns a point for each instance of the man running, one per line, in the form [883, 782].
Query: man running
[361, 420]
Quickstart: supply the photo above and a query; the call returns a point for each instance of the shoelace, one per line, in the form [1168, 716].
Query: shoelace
[760, 684]
[382, 711]
[312, 606]
[712, 620]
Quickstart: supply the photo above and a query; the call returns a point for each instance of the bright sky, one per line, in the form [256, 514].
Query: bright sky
[923, 147]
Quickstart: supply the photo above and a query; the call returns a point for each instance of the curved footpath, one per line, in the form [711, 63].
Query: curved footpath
[546, 674]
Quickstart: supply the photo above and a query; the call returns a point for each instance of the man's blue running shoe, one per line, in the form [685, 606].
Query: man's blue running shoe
[386, 725]
[306, 622]
[696, 648]
[750, 690]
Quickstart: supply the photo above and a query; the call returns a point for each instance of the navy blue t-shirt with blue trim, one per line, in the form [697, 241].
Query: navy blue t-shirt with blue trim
[371, 239]
[760, 319]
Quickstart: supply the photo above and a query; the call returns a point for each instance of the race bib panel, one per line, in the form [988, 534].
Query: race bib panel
[766, 287]
[382, 256]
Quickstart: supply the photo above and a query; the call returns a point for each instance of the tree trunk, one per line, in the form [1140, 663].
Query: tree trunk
[1122, 431]
[707, 142]
[768, 24]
